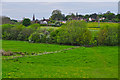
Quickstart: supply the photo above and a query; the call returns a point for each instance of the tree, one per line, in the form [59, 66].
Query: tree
[57, 15]
[26, 22]
[118, 16]
[108, 15]
[56, 12]
[81, 16]
[74, 33]
[86, 16]
[13, 21]
[94, 16]
[5, 20]
[71, 16]
[25, 33]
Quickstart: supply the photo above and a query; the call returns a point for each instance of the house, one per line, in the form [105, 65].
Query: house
[44, 21]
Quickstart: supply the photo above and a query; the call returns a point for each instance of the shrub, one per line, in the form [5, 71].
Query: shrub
[108, 35]
[25, 33]
[6, 31]
[34, 26]
[12, 33]
[53, 36]
[41, 35]
[37, 37]
[74, 33]
[6, 27]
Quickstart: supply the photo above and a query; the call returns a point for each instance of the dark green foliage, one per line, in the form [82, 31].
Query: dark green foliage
[57, 15]
[26, 22]
[109, 16]
[118, 16]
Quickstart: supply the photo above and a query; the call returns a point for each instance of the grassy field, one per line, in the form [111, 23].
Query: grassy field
[102, 24]
[48, 27]
[82, 62]
[24, 46]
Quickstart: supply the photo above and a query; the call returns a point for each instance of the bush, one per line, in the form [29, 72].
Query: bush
[74, 33]
[53, 36]
[25, 33]
[6, 31]
[12, 33]
[108, 35]
[6, 27]
[41, 35]
[34, 26]
[37, 37]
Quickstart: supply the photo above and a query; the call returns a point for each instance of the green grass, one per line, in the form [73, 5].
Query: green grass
[83, 62]
[50, 27]
[23, 46]
[102, 24]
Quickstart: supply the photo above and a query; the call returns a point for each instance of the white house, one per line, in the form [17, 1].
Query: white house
[43, 22]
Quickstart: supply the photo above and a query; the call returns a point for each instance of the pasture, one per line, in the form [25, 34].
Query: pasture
[81, 62]
[24, 46]
[65, 61]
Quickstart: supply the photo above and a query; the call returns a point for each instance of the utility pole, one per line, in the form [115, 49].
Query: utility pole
[98, 22]
[98, 19]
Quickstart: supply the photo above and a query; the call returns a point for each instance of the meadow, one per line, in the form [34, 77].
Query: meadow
[24, 46]
[65, 61]
[81, 62]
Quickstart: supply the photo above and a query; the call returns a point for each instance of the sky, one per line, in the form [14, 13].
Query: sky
[59, 0]
[19, 10]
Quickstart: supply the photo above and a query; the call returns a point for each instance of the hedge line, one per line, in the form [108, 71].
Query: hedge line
[73, 33]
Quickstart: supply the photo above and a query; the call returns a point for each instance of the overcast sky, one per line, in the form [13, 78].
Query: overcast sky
[18, 10]
[59, 0]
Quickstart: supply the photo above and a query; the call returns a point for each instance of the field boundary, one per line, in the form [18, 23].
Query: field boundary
[13, 57]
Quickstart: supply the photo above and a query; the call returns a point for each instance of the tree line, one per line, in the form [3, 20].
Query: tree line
[109, 16]
[58, 16]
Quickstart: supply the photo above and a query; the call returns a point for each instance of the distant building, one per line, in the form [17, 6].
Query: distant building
[90, 19]
[44, 21]
[33, 17]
